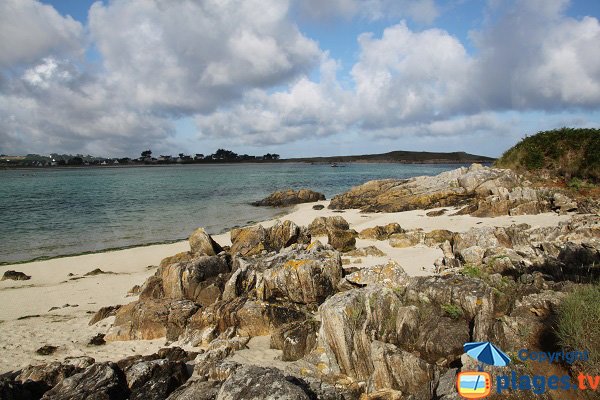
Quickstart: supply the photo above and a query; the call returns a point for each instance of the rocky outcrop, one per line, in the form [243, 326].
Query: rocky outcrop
[362, 329]
[254, 240]
[104, 313]
[53, 373]
[98, 381]
[156, 379]
[342, 240]
[290, 197]
[295, 339]
[15, 276]
[380, 232]
[320, 226]
[257, 383]
[481, 191]
[201, 243]
[391, 275]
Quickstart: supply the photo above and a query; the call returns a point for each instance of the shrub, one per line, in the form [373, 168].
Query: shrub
[567, 152]
[578, 325]
[453, 311]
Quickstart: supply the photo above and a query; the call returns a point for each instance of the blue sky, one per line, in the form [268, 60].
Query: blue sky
[297, 77]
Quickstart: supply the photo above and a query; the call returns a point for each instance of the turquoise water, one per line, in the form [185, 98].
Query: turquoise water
[53, 212]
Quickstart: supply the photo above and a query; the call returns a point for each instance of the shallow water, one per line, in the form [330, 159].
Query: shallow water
[52, 212]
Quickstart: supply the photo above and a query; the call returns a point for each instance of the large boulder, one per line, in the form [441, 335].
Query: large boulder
[300, 274]
[155, 379]
[295, 339]
[290, 197]
[342, 240]
[391, 275]
[258, 383]
[53, 373]
[304, 280]
[152, 319]
[201, 243]
[98, 381]
[241, 316]
[380, 232]
[320, 226]
[201, 280]
[254, 240]
[196, 390]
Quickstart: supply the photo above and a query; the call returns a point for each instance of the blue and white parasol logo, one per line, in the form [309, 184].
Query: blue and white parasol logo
[487, 353]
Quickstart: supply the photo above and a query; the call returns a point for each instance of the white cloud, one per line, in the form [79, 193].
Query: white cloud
[246, 74]
[407, 76]
[30, 30]
[193, 56]
[306, 109]
[422, 11]
[533, 57]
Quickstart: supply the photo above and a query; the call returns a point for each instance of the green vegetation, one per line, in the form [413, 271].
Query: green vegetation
[452, 310]
[472, 271]
[578, 325]
[568, 152]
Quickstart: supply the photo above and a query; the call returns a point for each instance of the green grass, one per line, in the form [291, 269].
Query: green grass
[472, 271]
[578, 325]
[568, 152]
[452, 310]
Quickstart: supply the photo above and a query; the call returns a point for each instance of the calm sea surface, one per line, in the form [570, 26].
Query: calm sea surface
[52, 212]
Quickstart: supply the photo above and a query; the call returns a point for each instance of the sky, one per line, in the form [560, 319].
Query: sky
[293, 77]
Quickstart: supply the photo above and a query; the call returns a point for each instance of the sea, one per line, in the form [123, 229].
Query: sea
[51, 212]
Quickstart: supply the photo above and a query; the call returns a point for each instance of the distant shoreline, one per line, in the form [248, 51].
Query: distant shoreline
[286, 161]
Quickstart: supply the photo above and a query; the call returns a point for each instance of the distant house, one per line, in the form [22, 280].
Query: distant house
[165, 158]
[199, 157]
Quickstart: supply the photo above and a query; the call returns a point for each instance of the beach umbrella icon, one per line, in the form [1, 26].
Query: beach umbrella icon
[487, 353]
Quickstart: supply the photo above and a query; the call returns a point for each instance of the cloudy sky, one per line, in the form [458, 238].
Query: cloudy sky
[295, 77]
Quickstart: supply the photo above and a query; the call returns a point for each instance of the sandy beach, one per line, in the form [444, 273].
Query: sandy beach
[55, 305]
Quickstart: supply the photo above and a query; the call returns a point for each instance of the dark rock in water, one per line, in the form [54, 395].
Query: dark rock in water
[98, 271]
[156, 379]
[103, 313]
[13, 390]
[99, 381]
[46, 350]
[257, 383]
[197, 390]
[15, 276]
[290, 197]
[53, 373]
[318, 207]
[97, 340]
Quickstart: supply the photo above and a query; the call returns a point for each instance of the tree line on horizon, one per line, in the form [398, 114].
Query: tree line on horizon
[56, 159]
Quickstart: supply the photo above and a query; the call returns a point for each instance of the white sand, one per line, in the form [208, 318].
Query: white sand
[67, 328]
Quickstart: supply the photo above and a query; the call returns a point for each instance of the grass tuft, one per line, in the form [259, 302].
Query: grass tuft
[578, 325]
